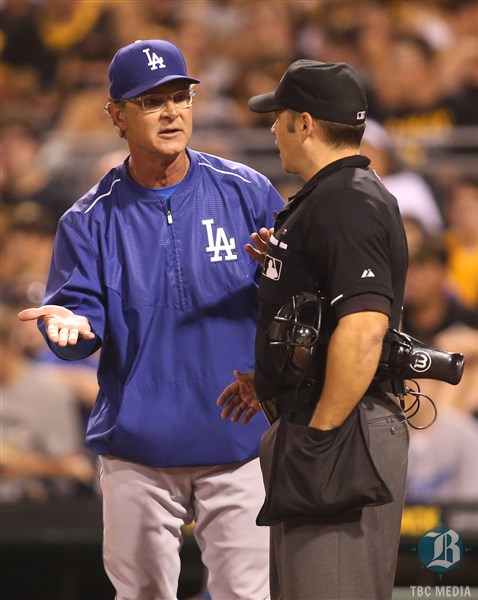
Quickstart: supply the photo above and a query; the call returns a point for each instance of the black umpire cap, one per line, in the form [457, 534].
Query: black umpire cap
[328, 91]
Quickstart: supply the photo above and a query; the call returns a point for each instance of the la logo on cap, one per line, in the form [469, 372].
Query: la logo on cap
[154, 61]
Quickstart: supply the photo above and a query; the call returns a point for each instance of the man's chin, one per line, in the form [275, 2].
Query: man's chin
[287, 169]
[171, 147]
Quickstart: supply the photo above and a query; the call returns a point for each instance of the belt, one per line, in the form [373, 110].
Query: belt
[300, 412]
[287, 405]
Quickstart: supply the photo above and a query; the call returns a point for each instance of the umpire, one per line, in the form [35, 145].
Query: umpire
[335, 464]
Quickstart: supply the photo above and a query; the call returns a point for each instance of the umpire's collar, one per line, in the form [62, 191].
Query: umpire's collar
[356, 161]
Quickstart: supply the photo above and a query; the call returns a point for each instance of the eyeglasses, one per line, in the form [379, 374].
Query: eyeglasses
[156, 102]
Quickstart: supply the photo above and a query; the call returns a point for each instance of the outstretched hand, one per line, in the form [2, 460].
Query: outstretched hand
[239, 399]
[260, 239]
[62, 325]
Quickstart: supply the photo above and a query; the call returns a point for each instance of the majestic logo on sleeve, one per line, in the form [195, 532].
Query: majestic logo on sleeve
[154, 61]
[367, 273]
[221, 246]
[272, 268]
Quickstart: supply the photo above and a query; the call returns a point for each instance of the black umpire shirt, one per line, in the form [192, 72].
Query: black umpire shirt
[342, 234]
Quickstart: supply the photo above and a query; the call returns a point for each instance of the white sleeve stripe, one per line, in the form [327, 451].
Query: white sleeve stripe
[225, 172]
[336, 299]
[102, 195]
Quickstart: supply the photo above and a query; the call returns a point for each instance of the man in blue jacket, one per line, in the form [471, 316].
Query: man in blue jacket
[149, 266]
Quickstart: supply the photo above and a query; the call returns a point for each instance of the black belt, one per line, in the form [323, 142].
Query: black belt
[298, 411]
[275, 407]
[287, 405]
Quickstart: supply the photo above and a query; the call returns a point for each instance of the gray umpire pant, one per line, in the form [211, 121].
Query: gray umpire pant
[345, 558]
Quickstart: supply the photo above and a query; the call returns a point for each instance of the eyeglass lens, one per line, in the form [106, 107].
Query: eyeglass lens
[181, 99]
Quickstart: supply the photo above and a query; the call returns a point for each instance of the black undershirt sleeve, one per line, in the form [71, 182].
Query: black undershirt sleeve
[364, 302]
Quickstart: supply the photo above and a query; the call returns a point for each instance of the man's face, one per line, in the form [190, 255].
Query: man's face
[288, 140]
[166, 131]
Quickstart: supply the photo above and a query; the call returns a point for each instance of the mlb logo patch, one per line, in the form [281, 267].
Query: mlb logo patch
[272, 268]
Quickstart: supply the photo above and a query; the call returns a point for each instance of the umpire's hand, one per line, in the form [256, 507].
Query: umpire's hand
[63, 327]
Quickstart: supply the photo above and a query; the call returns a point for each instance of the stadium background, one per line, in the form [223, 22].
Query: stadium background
[419, 60]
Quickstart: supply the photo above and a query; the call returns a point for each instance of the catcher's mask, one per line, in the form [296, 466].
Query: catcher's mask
[294, 335]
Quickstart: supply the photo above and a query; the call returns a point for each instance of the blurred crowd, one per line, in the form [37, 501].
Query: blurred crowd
[419, 61]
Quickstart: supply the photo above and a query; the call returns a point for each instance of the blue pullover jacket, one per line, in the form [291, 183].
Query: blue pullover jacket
[172, 298]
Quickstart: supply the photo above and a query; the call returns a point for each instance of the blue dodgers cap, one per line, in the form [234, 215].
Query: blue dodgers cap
[143, 65]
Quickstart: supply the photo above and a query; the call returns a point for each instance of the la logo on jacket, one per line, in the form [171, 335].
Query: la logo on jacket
[220, 243]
